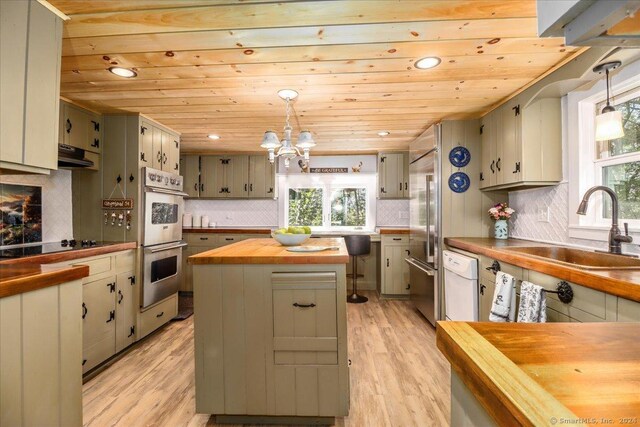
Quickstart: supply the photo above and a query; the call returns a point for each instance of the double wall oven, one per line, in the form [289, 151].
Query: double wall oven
[162, 236]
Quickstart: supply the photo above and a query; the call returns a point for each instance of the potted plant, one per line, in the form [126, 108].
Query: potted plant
[501, 213]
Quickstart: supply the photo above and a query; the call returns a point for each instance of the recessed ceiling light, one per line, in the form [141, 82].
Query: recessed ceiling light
[383, 133]
[287, 94]
[213, 136]
[123, 72]
[428, 62]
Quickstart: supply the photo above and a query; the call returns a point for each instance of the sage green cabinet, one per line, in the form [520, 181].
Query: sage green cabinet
[159, 148]
[80, 128]
[522, 145]
[190, 167]
[224, 177]
[98, 321]
[393, 175]
[394, 270]
[30, 54]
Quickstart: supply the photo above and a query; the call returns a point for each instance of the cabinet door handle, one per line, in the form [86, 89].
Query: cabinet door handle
[481, 176]
[251, 187]
[400, 186]
[176, 167]
[498, 164]
[406, 186]
[295, 304]
[69, 126]
[246, 187]
[195, 186]
[164, 159]
[387, 262]
[112, 315]
[201, 188]
[482, 288]
[161, 314]
[121, 297]
[84, 310]
[177, 145]
[84, 361]
[159, 157]
[493, 162]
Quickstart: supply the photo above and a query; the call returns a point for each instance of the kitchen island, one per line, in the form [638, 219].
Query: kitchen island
[542, 374]
[271, 333]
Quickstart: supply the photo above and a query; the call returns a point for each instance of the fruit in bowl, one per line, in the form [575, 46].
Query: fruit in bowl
[291, 236]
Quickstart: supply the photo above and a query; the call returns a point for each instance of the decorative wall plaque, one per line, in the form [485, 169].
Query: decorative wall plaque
[117, 203]
[329, 170]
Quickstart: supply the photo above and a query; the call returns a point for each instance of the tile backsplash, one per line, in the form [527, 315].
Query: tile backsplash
[57, 221]
[264, 212]
[241, 212]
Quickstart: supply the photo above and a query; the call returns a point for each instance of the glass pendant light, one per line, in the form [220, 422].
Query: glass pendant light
[609, 122]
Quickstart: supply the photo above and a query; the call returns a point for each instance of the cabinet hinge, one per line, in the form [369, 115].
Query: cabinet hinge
[517, 169]
[481, 176]
[112, 316]
[142, 130]
[382, 159]
[132, 331]
[481, 129]
[516, 109]
[96, 126]
[132, 280]
[112, 287]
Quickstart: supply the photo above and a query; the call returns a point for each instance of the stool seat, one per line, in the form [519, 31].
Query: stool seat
[359, 244]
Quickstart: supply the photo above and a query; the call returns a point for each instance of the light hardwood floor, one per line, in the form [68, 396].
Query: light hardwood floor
[398, 376]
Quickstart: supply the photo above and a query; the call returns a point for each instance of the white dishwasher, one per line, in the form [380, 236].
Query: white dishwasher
[460, 286]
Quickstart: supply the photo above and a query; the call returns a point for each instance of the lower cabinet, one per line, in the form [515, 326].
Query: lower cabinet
[98, 322]
[395, 271]
[588, 305]
[156, 316]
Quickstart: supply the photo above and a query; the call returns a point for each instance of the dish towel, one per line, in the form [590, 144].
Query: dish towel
[533, 304]
[503, 308]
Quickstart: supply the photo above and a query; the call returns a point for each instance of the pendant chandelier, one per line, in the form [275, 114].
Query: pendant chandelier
[609, 122]
[284, 148]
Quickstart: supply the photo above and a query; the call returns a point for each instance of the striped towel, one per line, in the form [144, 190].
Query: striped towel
[533, 304]
[503, 308]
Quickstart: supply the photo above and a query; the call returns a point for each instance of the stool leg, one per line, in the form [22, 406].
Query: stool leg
[354, 297]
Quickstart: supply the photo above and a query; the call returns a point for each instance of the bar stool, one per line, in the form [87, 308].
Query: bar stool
[357, 245]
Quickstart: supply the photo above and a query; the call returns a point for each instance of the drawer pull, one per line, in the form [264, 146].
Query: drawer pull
[229, 239]
[397, 238]
[160, 314]
[295, 304]
[204, 238]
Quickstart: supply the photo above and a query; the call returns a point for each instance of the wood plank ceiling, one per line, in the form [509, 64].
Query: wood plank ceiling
[214, 66]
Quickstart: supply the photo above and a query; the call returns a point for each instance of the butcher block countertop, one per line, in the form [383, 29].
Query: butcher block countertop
[622, 283]
[19, 278]
[542, 374]
[222, 230]
[70, 255]
[269, 251]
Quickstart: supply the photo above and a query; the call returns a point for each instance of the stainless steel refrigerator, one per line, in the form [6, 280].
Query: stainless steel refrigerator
[425, 222]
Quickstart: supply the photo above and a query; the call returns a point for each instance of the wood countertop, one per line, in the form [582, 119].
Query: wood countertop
[217, 230]
[19, 278]
[269, 251]
[622, 283]
[528, 374]
[70, 255]
[393, 230]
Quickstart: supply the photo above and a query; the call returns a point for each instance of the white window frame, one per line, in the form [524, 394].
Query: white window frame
[587, 171]
[328, 183]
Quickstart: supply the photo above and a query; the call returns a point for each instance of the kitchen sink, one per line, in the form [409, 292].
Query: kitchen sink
[578, 258]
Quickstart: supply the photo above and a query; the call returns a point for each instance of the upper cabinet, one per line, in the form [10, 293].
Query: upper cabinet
[80, 128]
[522, 145]
[159, 148]
[393, 175]
[30, 54]
[223, 177]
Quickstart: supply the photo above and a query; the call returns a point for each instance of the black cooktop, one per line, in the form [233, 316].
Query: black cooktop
[48, 248]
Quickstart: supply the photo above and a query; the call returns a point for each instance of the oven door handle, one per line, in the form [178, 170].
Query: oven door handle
[167, 248]
[163, 191]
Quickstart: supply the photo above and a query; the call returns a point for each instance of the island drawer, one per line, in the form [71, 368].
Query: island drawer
[305, 318]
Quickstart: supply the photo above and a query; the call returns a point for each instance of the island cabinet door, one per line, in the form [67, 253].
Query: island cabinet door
[305, 344]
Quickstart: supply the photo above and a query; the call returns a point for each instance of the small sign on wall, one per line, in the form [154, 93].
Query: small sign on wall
[329, 170]
[117, 203]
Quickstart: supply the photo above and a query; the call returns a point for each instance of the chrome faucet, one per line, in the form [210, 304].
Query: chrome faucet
[615, 238]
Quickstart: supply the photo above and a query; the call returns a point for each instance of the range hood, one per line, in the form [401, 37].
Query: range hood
[591, 22]
[72, 157]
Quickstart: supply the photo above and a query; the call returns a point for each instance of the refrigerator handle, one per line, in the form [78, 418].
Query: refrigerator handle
[419, 267]
[427, 250]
